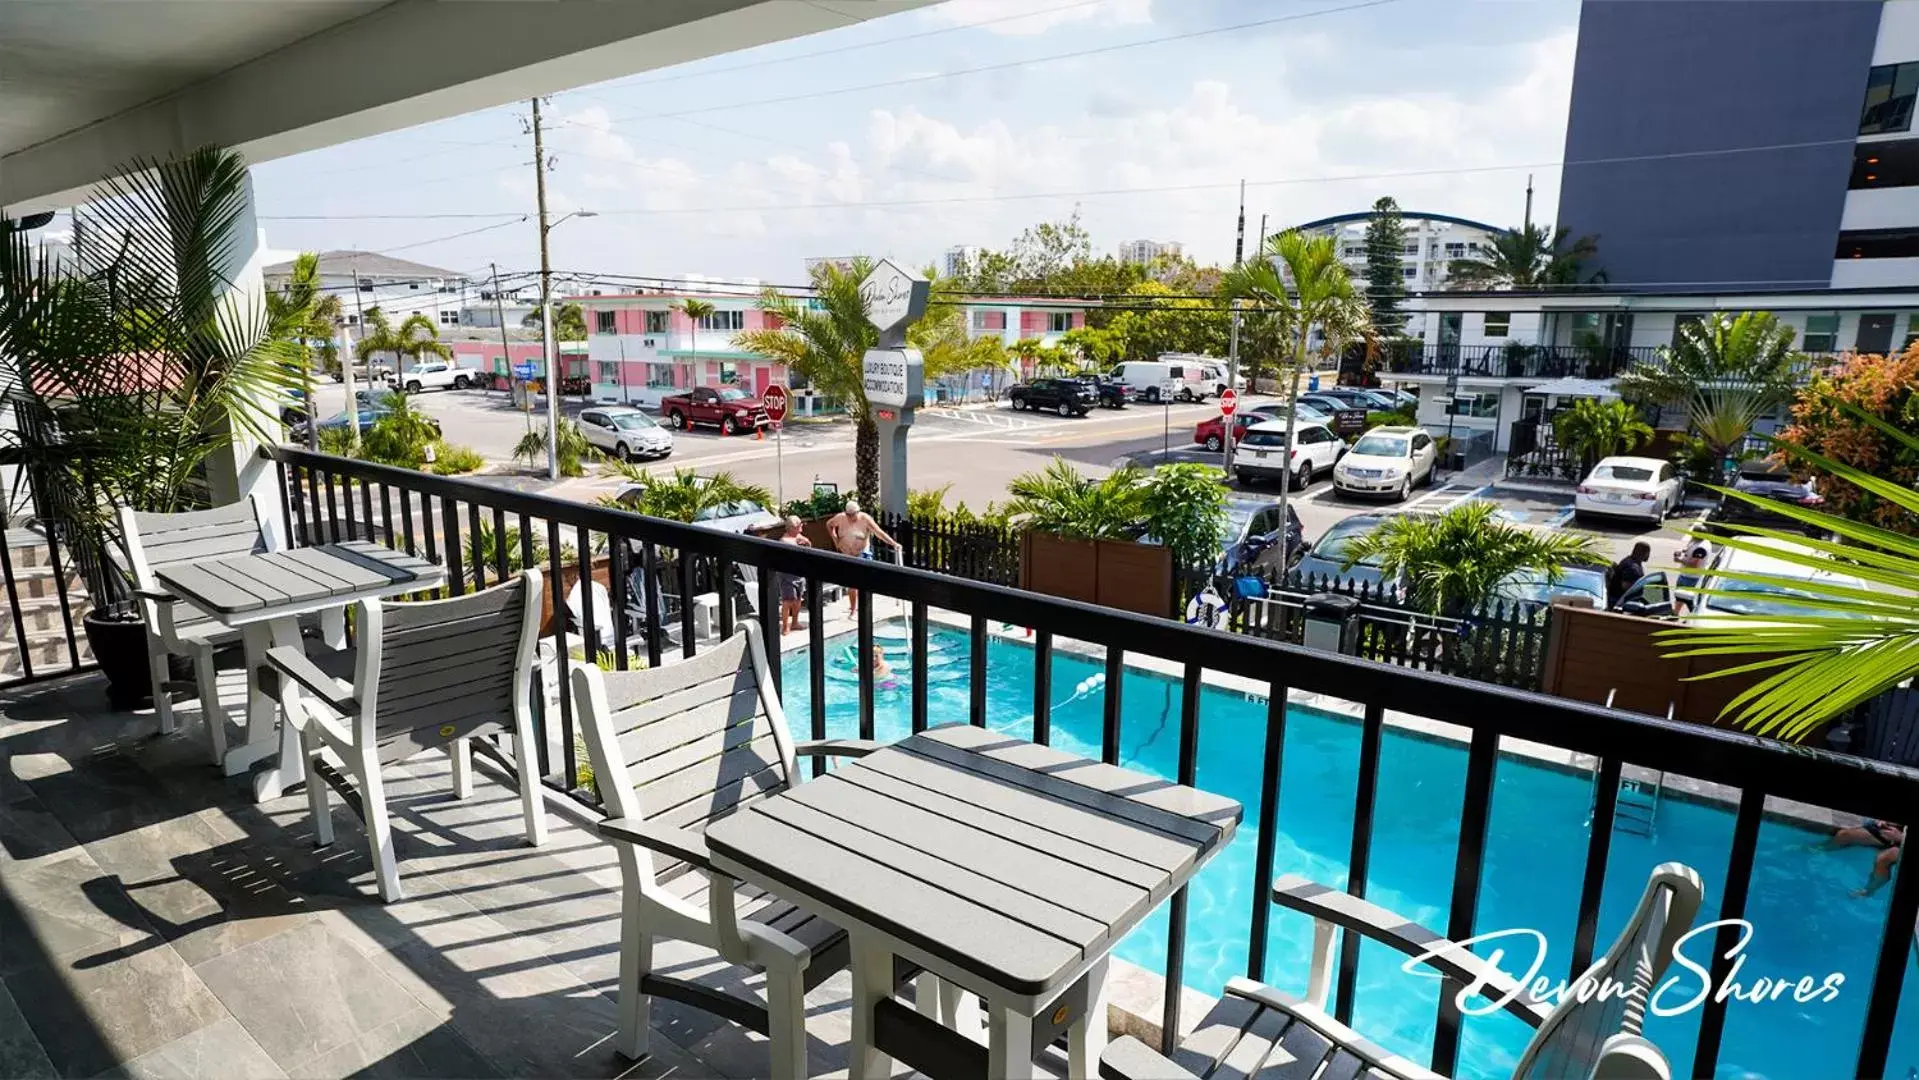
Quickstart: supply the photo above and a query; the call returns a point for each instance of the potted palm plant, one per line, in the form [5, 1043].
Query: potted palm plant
[129, 363]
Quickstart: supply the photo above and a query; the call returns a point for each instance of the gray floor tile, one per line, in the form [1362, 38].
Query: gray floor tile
[223, 1050]
[415, 1045]
[304, 992]
[21, 1057]
[28, 830]
[61, 907]
[101, 1009]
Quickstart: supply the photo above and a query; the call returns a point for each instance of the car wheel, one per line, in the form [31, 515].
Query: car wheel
[621, 452]
[413, 387]
[1580, 517]
[677, 419]
[459, 382]
[1213, 444]
[1244, 477]
[1405, 489]
[1064, 409]
[1304, 478]
[1152, 396]
[1019, 404]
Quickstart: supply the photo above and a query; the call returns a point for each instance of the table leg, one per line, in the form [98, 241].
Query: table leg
[262, 734]
[1009, 1043]
[271, 782]
[872, 970]
[1086, 1039]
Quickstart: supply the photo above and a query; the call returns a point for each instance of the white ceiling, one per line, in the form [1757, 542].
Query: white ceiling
[64, 64]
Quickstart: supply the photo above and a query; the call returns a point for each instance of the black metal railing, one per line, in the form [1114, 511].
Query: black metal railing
[47, 602]
[1512, 360]
[434, 511]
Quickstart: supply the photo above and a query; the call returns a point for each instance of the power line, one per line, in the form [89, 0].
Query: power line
[456, 236]
[389, 217]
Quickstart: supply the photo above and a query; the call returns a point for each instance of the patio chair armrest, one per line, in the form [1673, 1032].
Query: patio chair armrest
[847, 748]
[1342, 909]
[157, 595]
[292, 661]
[682, 844]
[1126, 1058]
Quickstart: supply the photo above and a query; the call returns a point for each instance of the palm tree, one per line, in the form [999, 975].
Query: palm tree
[1315, 293]
[315, 317]
[412, 339]
[130, 364]
[941, 335]
[1454, 562]
[569, 321]
[686, 494]
[695, 310]
[1592, 429]
[825, 339]
[1725, 370]
[1059, 500]
[1849, 644]
[1528, 257]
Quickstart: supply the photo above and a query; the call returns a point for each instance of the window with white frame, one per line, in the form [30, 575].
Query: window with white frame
[609, 371]
[729, 373]
[659, 376]
[1822, 333]
[989, 320]
[1498, 324]
[1410, 271]
[656, 322]
[1479, 406]
[724, 320]
[449, 318]
[605, 322]
[1058, 322]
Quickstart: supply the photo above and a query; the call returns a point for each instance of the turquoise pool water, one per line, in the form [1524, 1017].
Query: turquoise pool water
[1805, 921]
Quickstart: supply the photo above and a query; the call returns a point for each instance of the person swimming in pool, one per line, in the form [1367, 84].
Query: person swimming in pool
[1889, 838]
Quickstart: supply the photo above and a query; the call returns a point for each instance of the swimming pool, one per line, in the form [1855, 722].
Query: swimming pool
[1806, 923]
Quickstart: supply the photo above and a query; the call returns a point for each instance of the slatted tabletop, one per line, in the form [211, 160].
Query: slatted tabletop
[233, 588]
[1014, 862]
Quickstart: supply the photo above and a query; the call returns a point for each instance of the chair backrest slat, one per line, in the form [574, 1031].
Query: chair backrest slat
[449, 668]
[722, 704]
[1610, 1000]
[165, 540]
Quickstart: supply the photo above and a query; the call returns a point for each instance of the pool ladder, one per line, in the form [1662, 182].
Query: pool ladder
[1636, 810]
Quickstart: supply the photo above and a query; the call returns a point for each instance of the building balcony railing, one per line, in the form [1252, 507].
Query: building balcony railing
[1513, 360]
[1207, 707]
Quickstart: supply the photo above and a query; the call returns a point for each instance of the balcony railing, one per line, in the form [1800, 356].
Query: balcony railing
[325, 498]
[1513, 361]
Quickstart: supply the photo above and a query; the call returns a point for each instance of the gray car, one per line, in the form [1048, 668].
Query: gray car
[625, 433]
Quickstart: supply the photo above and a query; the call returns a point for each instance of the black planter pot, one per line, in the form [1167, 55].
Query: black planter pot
[120, 648]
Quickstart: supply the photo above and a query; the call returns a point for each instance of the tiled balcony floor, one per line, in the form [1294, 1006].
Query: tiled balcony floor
[155, 922]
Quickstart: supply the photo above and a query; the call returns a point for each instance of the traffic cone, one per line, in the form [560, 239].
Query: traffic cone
[759, 433]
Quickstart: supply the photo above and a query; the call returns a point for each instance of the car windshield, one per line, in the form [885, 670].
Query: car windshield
[738, 508]
[1263, 438]
[1531, 585]
[1632, 474]
[730, 394]
[1768, 598]
[633, 421]
[1335, 545]
[1382, 446]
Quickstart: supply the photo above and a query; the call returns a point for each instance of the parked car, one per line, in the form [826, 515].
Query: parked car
[1529, 590]
[1252, 531]
[1732, 515]
[369, 415]
[1631, 487]
[293, 410]
[626, 433]
[1113, 394]
[1211, 432]
[439, 375]
[1327, 556]
[1351, 397]
[1067, 397]
[732, 410]
[1264, 455]
[1387, 461]
[739, 516]
[1656, 593]
[1345, 418]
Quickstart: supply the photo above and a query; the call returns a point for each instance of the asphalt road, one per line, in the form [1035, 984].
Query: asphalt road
[977, 451]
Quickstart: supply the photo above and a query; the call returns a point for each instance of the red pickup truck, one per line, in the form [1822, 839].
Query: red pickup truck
[728, 408]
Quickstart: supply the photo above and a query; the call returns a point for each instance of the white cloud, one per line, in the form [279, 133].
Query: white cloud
[1018, 18]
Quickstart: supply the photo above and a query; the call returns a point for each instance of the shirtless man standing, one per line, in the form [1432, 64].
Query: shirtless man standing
[853, 531]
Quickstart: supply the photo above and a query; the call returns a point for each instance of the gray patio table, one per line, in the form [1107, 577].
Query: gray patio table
[1005, 868]
[264, 595]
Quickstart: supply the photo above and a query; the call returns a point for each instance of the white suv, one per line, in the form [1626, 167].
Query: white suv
[1261, 454]
[626, 433]
[1387, 461]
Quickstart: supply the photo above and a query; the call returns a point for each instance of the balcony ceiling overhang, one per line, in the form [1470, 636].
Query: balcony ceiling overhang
[90, 84]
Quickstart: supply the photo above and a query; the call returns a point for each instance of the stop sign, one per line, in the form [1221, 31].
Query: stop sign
[775, 399]
[1228, 401]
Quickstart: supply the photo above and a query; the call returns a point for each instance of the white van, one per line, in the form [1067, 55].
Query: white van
[1212, 367]
[1158, 380]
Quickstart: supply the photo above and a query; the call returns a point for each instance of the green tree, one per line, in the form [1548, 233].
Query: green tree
[1528, 257]
[1843, 414]
[412, 339]
[1385, 284]
[1593, 429]
[695, 310]
[401, 434]
[1059, 499]
[946, 344]
[569, 320]
[1184, 506]
[825, 340]
[1157, 321]
[1847, 644]
[1314, 294]
[1454, 562]
[1725, 370]
[314, 316]
[685, 495]
[1100, 347]
[575, 450]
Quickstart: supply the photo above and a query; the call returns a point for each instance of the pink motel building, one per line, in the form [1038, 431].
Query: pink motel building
[641, 347]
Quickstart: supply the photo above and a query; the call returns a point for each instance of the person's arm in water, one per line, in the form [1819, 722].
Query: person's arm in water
[1881, 871]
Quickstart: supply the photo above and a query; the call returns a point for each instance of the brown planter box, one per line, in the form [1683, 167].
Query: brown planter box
[1112, 573]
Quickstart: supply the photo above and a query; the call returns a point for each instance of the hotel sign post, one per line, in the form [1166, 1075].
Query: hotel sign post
[892, 373]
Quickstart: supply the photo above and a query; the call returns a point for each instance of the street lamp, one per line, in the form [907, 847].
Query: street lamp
[546, 340]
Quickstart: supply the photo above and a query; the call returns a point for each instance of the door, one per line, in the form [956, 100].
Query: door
[1449, 325]
[1423, 456]
[1875, 332]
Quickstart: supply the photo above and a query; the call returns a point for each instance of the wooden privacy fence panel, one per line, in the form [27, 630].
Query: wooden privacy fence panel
[1593, 655]
[1113, 573]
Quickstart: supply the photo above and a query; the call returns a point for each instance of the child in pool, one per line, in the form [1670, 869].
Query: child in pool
[883, 671]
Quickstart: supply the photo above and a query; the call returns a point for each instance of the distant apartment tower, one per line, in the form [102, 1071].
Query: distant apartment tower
[1145, 251]
[1432, 242]
[1746, 144]
[956, 258]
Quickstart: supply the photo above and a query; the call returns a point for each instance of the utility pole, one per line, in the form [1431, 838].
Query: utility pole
[1260, 248]
[346, 369]
[546, 306]
[1232, 350]
[1529, 201]
[499, 312]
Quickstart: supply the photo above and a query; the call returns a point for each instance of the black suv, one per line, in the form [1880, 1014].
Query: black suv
[1067, 397]
[1112, 394]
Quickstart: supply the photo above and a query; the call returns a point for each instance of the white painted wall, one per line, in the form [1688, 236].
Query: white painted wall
[1881, 208]
[1874, 273]
[1898, 39]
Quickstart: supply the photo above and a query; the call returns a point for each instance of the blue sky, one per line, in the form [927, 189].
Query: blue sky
[743, 165]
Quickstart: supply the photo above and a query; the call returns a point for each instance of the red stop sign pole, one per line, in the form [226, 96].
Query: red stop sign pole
[1228, 402]
[774, 398]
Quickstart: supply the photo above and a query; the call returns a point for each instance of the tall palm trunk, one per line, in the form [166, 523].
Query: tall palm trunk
[866, 461]
[1291, 389]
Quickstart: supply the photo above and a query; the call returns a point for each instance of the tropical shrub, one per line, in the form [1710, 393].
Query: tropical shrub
[685, 494]
[401, 434]
[1059, 499]
[451, 460]
[1396, 418]
[1834, 417]
[1453, 562]
[1185, 509]
[823, 502]
[1592, 429]
[574, 453]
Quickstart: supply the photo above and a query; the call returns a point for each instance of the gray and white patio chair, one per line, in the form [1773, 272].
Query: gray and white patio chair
[674, 749]
[1595, 1036]
[176, 628]
[424, 675]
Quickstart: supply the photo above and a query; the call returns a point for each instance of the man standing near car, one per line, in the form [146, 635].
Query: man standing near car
[1626, 571]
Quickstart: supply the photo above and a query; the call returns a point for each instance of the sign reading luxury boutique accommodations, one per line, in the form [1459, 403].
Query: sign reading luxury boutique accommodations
[894, 377]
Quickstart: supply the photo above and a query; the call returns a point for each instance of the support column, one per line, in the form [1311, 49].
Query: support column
[235, 471]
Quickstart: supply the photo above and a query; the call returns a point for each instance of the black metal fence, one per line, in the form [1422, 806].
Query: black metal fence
[429, 514]
[1512, 360]
[975, 550]
[46, 603]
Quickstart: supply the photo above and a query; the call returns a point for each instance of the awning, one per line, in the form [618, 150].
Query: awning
[1603, 389]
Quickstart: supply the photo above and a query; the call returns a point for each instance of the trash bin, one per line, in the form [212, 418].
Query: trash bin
[1312, 383]
[1332, 622]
